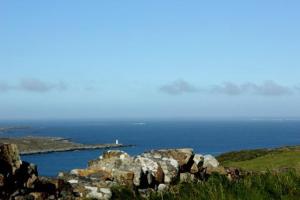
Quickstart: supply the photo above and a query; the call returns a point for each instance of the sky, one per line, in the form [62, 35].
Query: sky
[149, 59]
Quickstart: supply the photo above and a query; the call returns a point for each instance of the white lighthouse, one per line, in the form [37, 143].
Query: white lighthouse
[117, 141]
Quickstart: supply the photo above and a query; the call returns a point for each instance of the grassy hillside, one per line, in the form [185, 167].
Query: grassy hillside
[263, 159]
[279, 179]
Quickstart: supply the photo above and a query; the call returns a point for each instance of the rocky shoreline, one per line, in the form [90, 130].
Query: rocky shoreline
[41, 145]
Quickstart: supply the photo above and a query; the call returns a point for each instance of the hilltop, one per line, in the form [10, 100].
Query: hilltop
[261, 160]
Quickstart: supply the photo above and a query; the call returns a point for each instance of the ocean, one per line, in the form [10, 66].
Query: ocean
[204, 136]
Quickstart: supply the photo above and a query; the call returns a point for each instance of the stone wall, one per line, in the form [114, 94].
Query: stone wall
[155, 170]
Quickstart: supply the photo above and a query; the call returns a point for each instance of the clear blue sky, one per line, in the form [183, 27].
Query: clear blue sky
[149, 59]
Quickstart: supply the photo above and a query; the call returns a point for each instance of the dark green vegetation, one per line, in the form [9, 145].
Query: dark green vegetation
[276, 175]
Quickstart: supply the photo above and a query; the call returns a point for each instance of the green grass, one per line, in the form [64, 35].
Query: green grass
[253, 187]
[263, 160]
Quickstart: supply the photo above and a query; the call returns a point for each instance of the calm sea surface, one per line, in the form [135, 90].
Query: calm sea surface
[212, 137]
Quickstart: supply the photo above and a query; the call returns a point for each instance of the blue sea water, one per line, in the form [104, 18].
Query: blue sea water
[205, 136]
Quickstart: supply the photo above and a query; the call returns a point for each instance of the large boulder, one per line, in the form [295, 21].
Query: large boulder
[210, 161]
[114, 154]
[111, 159]
[10, 164]
[19, 180]
[123, 177]
[98, 193]
[9, 159]
[169, 166]
[211, 165]
[151, 170]
[198, 160]
[184, 157]
[119, 166]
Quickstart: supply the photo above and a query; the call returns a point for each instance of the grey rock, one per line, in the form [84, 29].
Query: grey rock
[150, 168]
[187, 177]
[94, 193]
[210, 161]
[119, 166]
[162, 187]
[182, 156]
[198, 159]
[9, 158]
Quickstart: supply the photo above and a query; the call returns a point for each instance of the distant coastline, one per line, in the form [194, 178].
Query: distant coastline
[41, 145]
[13, 128]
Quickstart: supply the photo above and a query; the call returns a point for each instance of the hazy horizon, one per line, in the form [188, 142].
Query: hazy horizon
[142, 60]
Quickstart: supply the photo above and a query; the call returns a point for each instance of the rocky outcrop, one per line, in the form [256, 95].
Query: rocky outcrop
[153, 170]
[9, 159]
[20, 180]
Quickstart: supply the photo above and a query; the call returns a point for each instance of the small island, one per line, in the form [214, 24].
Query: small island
[13, 128]
[37, 145]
